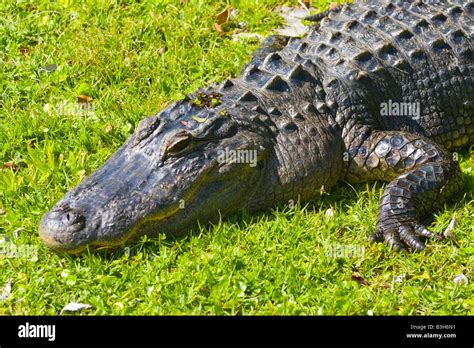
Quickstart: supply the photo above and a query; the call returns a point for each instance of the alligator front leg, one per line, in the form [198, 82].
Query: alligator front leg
[422, 177]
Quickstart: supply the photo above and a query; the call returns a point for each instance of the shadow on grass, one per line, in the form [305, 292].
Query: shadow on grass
[344, 194]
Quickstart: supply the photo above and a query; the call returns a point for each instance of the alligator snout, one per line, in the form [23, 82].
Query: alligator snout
[61, 227]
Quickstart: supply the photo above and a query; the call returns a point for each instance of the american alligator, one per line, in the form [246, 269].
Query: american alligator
[376, 90]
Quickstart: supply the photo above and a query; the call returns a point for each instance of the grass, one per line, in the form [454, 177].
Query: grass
[133, 59]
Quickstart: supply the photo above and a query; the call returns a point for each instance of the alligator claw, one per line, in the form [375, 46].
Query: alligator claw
[377, 236]
[406, 234]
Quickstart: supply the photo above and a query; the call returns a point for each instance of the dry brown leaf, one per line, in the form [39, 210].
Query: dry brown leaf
[223, 17]
[24, 51]
[333, 5]
[357, 277]
[83, 98]
[10, 165]
[218, 28]
[305, 4]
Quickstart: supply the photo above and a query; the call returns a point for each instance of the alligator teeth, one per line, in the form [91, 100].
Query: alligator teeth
[276, 83]
[247, 97]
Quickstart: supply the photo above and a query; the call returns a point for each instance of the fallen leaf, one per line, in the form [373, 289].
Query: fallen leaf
[11, 165]
[74, 307]
[82, 98]
[183, 122]
[333, 5]
[6, 290]
[399, 278]
[218, 28]
[329, 213]
[24, 51]
[108, 127]
[358, 278]
[305, 4]
[448, 232]
[424, 275]
[340, 231]
[17, 232]
[223, 17]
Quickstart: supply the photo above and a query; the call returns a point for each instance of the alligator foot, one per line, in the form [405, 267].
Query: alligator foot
[422, 177]
[401, 232]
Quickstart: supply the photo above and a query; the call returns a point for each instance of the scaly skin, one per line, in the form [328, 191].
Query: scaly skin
[311, 109]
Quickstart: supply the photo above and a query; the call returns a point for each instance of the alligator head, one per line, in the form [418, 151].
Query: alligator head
[193, 161]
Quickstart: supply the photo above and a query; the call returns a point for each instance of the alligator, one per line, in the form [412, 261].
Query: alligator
[376, 90]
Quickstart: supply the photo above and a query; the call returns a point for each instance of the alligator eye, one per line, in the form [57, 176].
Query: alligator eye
[178, 143]
[145, 128]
